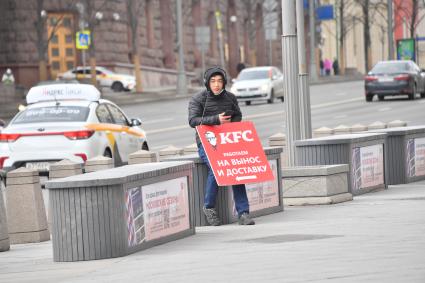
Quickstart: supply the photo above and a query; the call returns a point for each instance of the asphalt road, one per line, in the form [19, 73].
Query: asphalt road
[331, 105]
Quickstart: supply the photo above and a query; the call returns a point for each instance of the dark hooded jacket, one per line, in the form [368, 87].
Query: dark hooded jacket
[204, 108]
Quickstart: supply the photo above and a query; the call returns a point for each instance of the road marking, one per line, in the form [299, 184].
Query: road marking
[384, 109]
[339, 116]
[248, 117]
[341, 94]
[421, 101]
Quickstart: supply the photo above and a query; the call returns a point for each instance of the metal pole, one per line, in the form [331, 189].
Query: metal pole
[181, 75]
[270, 53]
[313, 68]
[390, 30]
[290, 73]
[304, 88]
[203, 59]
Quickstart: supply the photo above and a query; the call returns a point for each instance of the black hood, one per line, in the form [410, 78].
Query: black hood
[212, 72]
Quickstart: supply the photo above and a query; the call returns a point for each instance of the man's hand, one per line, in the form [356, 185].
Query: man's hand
[224, 119]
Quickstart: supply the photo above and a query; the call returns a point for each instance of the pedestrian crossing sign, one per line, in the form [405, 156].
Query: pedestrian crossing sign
[83, 39]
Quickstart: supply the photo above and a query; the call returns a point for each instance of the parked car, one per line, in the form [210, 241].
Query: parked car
[389, 78]
[258, 83]
[105, 78]
[68, 121]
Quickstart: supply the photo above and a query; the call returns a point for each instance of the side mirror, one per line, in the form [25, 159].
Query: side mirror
[274, 77]
[136, 122]
[422, 70]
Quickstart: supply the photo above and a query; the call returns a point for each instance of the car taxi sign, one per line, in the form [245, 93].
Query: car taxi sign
[62, 92]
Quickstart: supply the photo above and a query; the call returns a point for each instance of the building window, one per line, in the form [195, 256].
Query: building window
[55, 65]
[55, 52]
[69, 52]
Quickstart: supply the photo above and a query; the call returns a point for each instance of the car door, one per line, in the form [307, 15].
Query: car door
[421, 77]
[127, 142]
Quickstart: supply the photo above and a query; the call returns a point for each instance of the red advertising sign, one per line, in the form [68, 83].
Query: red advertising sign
[235, 153]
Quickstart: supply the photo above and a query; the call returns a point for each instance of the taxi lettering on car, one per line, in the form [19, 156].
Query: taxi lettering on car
[68, 121]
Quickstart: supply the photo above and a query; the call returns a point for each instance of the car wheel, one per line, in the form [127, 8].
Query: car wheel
[145, 146]
[282, 99]
[412, 96]
[117, 86]
[247, 102]
[380, 97]
[108, 153]
[369, 97]
[271, 99]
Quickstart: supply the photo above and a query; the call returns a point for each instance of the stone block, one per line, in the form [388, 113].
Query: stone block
[342, 130]
[98, 163]
[4, 233]
[170, 152]
[190, 149]
[323, 132]
[142, 156]
[323, 184]
[397, 123]
[64, 168]
[358, 128]
[278, 139]
[26, 214]
[376, 126]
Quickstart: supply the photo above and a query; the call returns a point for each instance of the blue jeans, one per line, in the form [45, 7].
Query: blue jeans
[211, 188]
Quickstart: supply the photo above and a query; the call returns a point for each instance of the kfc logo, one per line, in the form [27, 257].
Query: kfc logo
[212, 139]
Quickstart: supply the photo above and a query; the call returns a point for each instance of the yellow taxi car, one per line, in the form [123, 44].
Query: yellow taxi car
[68, 121]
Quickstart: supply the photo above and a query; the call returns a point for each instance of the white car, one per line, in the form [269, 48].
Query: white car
[105, 77]
[258, 83]
[68, 121]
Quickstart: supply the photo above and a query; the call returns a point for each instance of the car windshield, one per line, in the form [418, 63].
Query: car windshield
[52, 114]
[254, 75]
[390, 68]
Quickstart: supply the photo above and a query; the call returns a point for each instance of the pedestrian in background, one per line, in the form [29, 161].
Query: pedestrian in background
[8, 77]
[328, 66]
[322, 67]
[335, 66]
[216, 106]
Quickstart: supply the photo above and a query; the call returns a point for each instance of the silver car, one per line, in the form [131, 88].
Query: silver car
[258, 84]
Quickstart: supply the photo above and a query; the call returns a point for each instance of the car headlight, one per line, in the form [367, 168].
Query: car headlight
[264, 87]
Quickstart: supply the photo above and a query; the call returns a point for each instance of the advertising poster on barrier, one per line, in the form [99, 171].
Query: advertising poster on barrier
[235, 153]
[415, 157]
[367, 166]
[134, 216]
[166, 208]
[262, 195]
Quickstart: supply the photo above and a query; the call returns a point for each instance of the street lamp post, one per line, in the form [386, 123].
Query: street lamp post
[181, 75]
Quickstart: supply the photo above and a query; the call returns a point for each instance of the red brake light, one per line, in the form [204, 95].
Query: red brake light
[79, 135]
[82, 155]
[2, 160]
[402, 77]
[9, 137]
[370, 78]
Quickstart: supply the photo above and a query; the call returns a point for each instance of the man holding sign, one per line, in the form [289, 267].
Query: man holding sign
[216, 106]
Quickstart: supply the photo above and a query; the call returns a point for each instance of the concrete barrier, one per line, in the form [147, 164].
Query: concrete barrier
[98, 163]
[65, 168]
[376, 126]
[26, 214]
[142, 156]
[4, 233]
[323, 184]
[396, 124]
[358, 128]
[363, 152]
[190, 149]
[170, 151]
[342, 130]
[119, 211]
[279, 140]
[322, 132]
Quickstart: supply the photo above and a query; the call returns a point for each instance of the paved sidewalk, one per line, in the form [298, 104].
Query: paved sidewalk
[378, 237]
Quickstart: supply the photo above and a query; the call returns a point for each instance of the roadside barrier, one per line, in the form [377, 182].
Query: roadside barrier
[363, 152]
[119, 211]
[4, 233]
[98, 163]
[190, 149]
[396, 123]
[279, 140]
[309, 185]
[170, 151]
[64, 168]
[142, 156]
[376, 126]
[26, 215]
[323, 132]
[341, 130]
[356, 128]
[264, 198]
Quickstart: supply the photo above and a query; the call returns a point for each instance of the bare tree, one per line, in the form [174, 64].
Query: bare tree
[133, 11]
